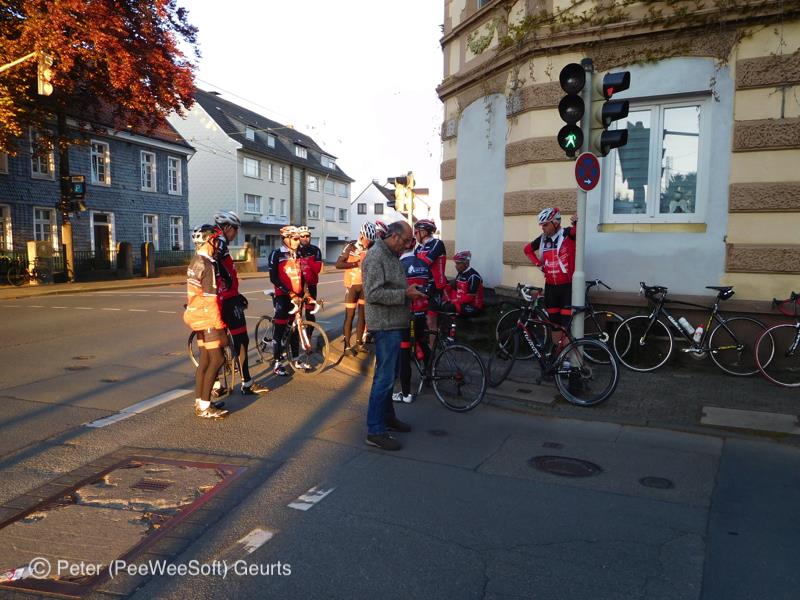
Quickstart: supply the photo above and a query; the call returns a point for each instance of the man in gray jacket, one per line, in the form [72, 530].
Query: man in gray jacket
[388, 303]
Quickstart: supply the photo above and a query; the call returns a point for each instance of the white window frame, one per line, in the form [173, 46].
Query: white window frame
[330, 187]
[652, 215]
[5, 224]
[174, 174]
[247, 161]
[154, 225]
[344, 190]
[271, 206]
[100, 157]
[361, 208]
[147, 168]
[375, 208]
[327, 161]
[271, 171]
[252, 204]
[111, 233]
[270, 140]
[343, 213]
[330, 213]
[3, 163]
[38, 162]
[300, 151]
[283, 207]
[249, 133]
[176, 232]
[312, 182]
[283, 174]
[313, 211]
[50, 223]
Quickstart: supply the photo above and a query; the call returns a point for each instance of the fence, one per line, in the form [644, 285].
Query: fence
[172, 258]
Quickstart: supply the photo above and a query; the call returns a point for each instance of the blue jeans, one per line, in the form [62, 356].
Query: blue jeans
[387, 356]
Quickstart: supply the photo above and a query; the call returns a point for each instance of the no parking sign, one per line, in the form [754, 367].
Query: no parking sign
[587, 171]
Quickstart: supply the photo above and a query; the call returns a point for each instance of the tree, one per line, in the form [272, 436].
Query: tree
[116, 59]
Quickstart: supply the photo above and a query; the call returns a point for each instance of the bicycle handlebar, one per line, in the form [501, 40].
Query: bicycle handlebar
[298, 302]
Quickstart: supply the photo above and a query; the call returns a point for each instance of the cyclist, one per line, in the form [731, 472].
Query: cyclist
[466, 293]
[233, 303]
[381, 229]
[286, 275]
[350, 260]
[554, 253]
[417, 275]
[203, 315]
[310, 257]
[432, 253]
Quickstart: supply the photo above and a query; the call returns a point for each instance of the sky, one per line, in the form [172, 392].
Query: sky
[359, 76]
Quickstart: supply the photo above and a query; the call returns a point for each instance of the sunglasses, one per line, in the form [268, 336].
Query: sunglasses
[305, 237]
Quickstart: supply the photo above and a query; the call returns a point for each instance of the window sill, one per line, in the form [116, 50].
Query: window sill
[652, 228]
[101, 183]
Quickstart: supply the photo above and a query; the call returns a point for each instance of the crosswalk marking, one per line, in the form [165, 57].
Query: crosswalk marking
[310, 498]
[139, 408]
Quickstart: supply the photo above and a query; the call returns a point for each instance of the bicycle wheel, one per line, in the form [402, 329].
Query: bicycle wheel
[502, 358]
[17, 275]
[313, 350]
[581, 380]
[600, 325]
[194, 349]
[641, 346]
[732, 345]
[459, 378]
[778, 354]
[263, 340]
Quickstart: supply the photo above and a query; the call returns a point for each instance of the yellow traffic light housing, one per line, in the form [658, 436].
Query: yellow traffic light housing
[44, 74]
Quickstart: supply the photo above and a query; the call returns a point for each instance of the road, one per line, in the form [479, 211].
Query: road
[460, 512]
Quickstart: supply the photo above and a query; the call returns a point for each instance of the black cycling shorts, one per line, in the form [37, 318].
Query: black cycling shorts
[556, 298]
[283, 305]
[353, 296]
[233, 315]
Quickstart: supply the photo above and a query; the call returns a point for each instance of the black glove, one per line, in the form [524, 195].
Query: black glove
[243, 302]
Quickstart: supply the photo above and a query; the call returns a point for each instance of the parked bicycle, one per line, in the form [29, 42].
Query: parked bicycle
[230, 367]
[585, 370]
[305, 343]
[645, 343]
[778, 348]
[455, 370]
[19, 272]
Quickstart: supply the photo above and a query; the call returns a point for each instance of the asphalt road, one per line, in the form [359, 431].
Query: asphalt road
[460, 512]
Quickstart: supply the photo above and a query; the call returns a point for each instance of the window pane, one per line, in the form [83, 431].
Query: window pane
[631, 166]
[681, 138]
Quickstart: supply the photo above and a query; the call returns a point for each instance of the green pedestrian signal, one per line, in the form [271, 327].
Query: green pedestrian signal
[571, 108]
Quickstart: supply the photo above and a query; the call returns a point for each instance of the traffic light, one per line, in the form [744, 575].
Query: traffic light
[403, 190]
[605, 111]
[44, 74]
[73, 187]
[571, 108]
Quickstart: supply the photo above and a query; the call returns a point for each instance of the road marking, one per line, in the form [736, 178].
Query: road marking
[247, 545]
[136, 310]
[36, 306]
[110, 309]
[84, 308]
[750, 419]
[11, 305]
[167, 312]
[59, 307]
[309, 499]
[139, 407]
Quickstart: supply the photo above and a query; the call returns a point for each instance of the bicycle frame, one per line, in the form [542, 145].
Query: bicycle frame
[299, 322]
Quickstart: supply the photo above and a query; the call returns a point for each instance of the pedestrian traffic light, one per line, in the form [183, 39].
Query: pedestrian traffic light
[44, 74]
[571, 108]
[605, 111]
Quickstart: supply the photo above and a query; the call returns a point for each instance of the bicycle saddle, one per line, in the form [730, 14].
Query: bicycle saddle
[724, 291]
[650, 290]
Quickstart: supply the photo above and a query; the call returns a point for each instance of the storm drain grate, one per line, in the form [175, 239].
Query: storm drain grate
[660, 483]
[565, 466]
[152, 484]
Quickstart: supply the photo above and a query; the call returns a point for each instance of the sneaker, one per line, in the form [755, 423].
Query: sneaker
[210, 412]
[361, 348]
[384, 441]
[395, 424]
[400, 397]
[219, 392]
[301, 365]
[350, 351]
[253, 389]
[280, 370]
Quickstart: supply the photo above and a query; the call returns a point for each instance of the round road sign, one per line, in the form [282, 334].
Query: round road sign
[587, 171]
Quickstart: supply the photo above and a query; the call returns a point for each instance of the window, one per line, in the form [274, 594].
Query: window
[44, 226]
[6, 243]
[174, 175]
[176, 233]
[343, 215]
[655, 175]
[270, 140]
[249, 133]
[300, 152]
[378, 208]
[271, 205]
[42, 159]
[330, 187]
[101, 160]
[252, 203]
[330, 213]
[313, 183]
[482, 3]
[362, 208]
[283, 175]
[313, 211]
[342, 190]
[327, 161]
[271, 171]
[148, 163]
[283, 207]
[252, 168]
[3, 162]
[150, 229]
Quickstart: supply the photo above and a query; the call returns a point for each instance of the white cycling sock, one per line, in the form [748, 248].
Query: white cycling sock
[203, 404]
[247, 384]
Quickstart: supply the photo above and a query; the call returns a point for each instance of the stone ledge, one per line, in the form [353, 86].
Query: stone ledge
[531, 202]
[768, 71]
[535, 150]
[766, 134]
[447, 209]
[777, 196]
[756, 258]
[447, 170]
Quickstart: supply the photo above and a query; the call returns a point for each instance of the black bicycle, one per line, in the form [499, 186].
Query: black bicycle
[778, 348]
[230, 367]
[19, 272]
[645, 343]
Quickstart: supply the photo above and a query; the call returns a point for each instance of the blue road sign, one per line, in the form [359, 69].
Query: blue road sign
[587, 171]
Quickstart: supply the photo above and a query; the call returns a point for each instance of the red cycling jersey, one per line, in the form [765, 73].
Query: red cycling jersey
[433, 254]
[310, 258]
[285, 272]
[554, 255]
[467, 290]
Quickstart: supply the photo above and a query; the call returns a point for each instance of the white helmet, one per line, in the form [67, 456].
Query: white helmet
[368, 231]
[202, 233]
[227, 218]
[549, 215]
[301, 229]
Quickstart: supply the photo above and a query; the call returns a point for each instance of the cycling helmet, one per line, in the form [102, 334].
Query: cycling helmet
[303, 229]
[227, 218]
[426, 224]
[368, 231]
[381, 229]
[202, 233]
[548, 215]
[463, 256]
[289, 231]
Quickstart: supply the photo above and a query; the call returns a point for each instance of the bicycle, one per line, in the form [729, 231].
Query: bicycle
[644, 343]
[19, 272]
[305, 344]
[455, 370]
[778, 349]
[230, 367]
[580, 379]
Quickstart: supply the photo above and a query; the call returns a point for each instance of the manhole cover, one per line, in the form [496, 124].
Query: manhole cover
[77, 368]
[565, 466]
[553, 445]
[660, 483]
[152, 484]
[438, 432]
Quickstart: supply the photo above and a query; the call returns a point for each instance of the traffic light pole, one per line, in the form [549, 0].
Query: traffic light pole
[579, 277]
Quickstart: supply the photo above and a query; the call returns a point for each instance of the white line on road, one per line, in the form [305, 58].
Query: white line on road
[84, 308]
[137, 310]
[309, 499]
[167, 312]
[247, 545]
[36, 306]
[139, 407]
[110, 309]
[59, 307]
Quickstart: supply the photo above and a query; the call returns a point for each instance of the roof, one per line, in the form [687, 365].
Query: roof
[233, 119]
[389, 193]
[103, 115]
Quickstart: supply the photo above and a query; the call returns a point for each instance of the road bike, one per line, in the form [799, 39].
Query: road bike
[305, 344]
[230, 367]
[19, 272]
[454, 370]
[645, 343]
[585, 370]
[778, 348]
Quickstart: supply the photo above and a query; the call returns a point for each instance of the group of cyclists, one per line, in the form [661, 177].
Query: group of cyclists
[215, 304]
